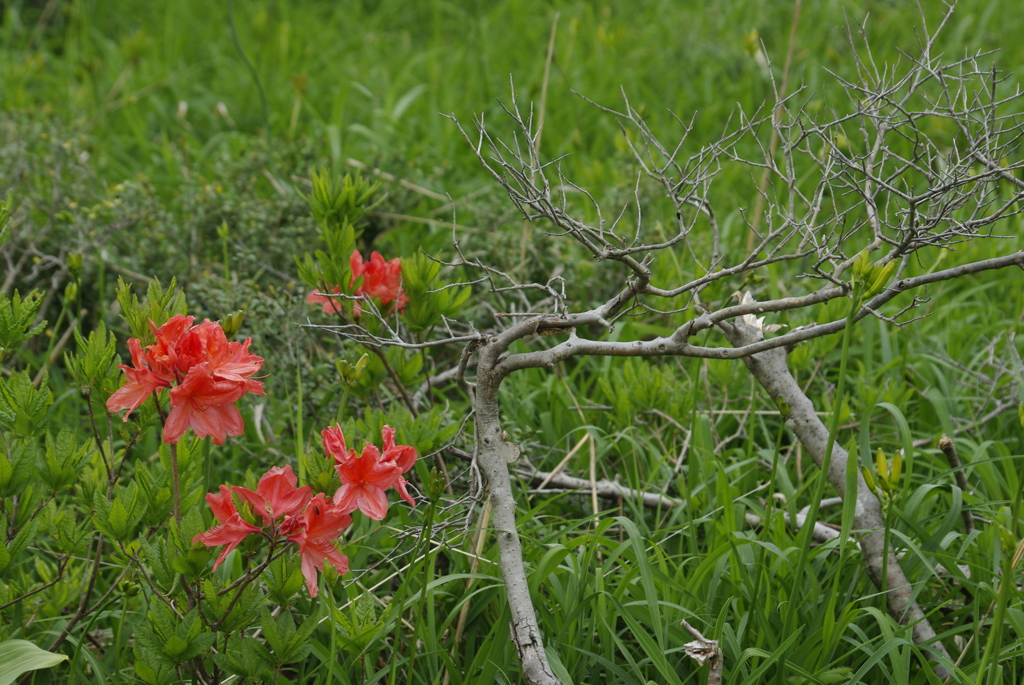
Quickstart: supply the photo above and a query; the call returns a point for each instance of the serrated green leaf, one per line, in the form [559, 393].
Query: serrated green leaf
[26, 535]
[174, 647]
[270, 631]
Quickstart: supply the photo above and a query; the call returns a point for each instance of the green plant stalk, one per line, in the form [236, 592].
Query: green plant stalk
[328, 600]
[995, 636]
[804, 538]
[207, 465]
[886, 536]
[767, 528]
[428, 529]
[249, 66]
[120, 634]
[300, 436]
[176, 483]
[399, 598]
[227, 261]
[344, 403]
[78, 646]
[770, 506]
[849, 504]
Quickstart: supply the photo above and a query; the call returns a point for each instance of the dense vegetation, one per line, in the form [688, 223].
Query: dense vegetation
[138, 144]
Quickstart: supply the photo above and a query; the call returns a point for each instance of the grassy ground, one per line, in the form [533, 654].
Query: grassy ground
[155, 123]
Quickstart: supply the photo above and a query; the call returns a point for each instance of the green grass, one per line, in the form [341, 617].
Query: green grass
[367, 80]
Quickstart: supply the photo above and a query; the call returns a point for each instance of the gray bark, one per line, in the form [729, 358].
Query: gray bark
[494, 453]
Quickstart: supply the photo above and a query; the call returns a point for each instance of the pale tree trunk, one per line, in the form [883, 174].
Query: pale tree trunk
[494, 453]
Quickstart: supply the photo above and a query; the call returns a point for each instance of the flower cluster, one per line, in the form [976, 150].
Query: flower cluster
[206, 372]
[366, 477]
[313, 523]
[382, 280]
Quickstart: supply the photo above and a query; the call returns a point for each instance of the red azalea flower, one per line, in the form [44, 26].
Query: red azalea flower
[403, 456]
[381, 279]
[141, 382]
[363, 481]
[163, 354]
[228, 360]
[211, 373]
[322, 524]
[206, 405]
[334, 444]
[276, 495]
[332, 305]
[232, 530]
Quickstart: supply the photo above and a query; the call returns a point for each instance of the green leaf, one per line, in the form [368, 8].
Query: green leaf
[174, 647]
[245, 658]
[16, 317]
[283, 579]
[5, 215]
[27, 406]
[14, 474]
[21, 656]
[161, 304]
[93, 362]
[21, 540]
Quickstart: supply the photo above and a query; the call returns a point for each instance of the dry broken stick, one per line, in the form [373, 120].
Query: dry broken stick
[949, 449]
[703, 650]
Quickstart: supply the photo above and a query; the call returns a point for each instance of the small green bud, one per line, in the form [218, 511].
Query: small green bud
[223, 231]
[232, 323]
[129, 587]
[882, 464]
[783, 406]
[869, 479]
[897, 466]
[330, 574]
[363, 361]
[436, 485]
[71, 292]
[880, 278]
[1020, 413]
[352, 374]
[861, 266]
[75, 265]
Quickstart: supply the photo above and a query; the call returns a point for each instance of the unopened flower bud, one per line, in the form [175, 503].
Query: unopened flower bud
[783, 406]
[436, 485]
[869, 479]
[129, 587]
[861, 266]
[882, 464]
[232, 323]
[897, 466]
[363, 361]
[330, 574]
[880, 277]
[75, 265]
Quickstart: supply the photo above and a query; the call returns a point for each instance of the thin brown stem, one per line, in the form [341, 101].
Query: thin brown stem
[406, 397]
[949, 449]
